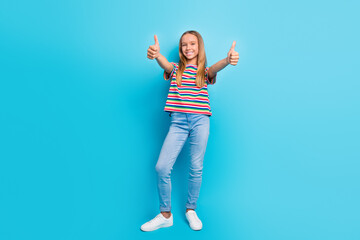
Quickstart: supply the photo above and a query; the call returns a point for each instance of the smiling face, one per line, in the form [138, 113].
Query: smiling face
[190, 48]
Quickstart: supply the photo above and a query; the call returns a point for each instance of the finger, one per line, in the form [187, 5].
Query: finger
[234, 54]
[153, 52]
[153, 48]
[156, 40]
[233, 46]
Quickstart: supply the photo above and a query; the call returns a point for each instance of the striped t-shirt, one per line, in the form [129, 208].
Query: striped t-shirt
[188, 98]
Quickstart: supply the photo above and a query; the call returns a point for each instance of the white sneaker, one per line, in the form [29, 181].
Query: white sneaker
[158, 222]
[193, 220]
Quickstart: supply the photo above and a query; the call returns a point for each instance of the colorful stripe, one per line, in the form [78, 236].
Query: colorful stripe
[187, 98]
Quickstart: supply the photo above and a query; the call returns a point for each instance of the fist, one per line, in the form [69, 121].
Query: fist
[233, 56]
[154, 50]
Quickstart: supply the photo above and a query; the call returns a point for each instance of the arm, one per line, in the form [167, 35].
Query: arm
[154, 53]
[164, 63]
[217, 67]
[232, 58]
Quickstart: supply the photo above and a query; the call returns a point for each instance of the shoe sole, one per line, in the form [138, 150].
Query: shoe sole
[164, 226]
[196, 229]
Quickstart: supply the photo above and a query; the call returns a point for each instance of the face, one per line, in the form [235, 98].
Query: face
[190, 47]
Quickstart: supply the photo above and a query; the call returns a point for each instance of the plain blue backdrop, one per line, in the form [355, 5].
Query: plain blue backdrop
[82, 120]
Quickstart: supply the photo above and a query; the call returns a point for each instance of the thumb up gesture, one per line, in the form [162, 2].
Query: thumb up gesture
[232, 56]
[154, 50]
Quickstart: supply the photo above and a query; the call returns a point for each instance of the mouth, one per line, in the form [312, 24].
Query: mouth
[189, 53]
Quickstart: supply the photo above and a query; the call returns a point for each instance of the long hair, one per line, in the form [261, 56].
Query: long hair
[201, 61]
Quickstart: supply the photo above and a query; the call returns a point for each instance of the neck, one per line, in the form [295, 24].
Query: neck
[192, 61]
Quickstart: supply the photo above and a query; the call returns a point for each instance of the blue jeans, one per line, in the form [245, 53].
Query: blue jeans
[183, 126]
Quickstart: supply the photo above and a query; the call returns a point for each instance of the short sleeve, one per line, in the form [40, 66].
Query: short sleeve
[209, 81]
[170, 76]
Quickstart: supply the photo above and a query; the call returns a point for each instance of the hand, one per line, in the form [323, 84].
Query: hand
[154, 50]
[232, 56]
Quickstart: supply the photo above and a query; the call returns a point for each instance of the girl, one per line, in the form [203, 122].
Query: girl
[189, 108]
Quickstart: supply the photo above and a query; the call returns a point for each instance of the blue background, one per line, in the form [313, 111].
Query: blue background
[82, 120]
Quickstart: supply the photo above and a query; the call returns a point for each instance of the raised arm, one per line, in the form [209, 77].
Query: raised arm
[154, 53]
[232, 58]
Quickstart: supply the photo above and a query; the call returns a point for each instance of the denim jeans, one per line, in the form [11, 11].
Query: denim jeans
[194, 127]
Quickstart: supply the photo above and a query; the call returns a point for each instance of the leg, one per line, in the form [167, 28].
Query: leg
[198, 140]
[170, 150]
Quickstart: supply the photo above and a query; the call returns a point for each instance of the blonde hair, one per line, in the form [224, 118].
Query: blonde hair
[201, 61]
